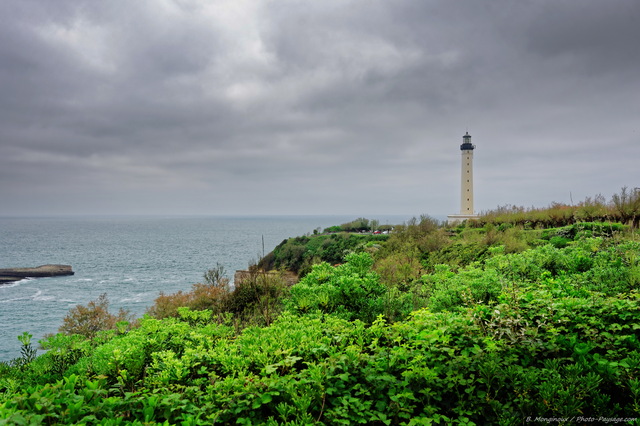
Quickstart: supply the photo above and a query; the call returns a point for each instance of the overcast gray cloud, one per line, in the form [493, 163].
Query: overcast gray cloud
[301, 107]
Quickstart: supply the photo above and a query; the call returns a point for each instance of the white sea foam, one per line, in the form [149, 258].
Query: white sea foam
[136, 298]
[15, 299]
[15, 283]
[41, 298]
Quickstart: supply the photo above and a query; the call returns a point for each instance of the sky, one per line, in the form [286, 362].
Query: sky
[294, 107]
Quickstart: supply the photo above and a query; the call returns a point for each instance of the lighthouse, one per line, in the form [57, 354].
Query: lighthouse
[466, 183]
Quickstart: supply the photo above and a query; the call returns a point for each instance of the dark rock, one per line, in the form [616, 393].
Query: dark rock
[16, 274]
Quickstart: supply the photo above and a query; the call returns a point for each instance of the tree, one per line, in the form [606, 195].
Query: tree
[627, 206]
[89, 320]
[217, 277]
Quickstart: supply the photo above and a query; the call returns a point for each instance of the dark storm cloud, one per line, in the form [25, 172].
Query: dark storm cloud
[247, 106]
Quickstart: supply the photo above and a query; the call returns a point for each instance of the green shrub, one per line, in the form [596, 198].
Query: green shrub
[351, 290]
[257, 299]
[201, 297]
[299, 254]
[559, 242]
[93, 318]
[506, 335]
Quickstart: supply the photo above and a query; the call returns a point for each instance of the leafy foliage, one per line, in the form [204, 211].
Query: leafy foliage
[255, 300]
[475, 366]
[351, 290]
[300, 253]
[486, 325]
[89, 320]
[623, 207]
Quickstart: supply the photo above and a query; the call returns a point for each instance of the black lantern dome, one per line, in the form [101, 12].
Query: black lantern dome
[466, 143]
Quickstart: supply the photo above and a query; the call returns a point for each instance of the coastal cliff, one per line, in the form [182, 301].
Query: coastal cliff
[16, 274]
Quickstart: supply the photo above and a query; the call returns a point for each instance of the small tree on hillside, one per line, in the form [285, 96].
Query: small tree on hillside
[89, 320]
[217, 277]
[627, 205]
[592, 209]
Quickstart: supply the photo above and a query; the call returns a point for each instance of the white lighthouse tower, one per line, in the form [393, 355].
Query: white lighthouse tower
[466, 187]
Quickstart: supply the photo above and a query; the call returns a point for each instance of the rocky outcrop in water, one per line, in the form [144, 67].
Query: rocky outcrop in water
[16, 274]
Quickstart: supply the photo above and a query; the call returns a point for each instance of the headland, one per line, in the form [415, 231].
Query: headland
[9, 275]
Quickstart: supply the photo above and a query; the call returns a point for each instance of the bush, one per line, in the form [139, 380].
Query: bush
[201, 297]
[89, 320]
[559, 242]
[351, 290]
[506, 334]
[257, 299]
[212, 295]
[301, 253]
[547, 332]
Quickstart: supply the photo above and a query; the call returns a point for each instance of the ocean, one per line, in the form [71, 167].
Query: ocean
[131, 259]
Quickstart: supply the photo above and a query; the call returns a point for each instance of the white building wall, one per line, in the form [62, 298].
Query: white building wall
[466, 193]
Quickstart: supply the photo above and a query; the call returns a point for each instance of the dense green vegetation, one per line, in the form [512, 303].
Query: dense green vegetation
[360, 225]
[623, 207]
[300, 253]
[491, 323]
